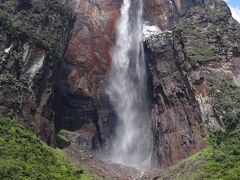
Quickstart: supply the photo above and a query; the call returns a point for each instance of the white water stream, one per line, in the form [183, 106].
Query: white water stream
[132, 144]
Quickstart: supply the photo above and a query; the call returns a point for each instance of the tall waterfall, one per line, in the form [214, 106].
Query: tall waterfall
[127, 91]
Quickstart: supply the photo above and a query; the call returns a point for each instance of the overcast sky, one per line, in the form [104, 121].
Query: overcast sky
[235, 7]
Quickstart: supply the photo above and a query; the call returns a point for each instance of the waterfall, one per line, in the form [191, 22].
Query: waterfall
[132, 143]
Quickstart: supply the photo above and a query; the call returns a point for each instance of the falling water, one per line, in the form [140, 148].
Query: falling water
[127, 91]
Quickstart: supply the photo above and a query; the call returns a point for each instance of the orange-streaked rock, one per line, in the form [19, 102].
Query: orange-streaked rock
[92, 39]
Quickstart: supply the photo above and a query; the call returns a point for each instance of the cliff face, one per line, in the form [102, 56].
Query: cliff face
[211, 39]
[192, 67]
[176, 117]
[183, 101]
[82, 101]
[34, 36]
[189, 64]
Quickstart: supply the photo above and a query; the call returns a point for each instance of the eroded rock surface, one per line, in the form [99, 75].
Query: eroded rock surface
[176, 118]
[192, 52]
[81, 92]
[180, 63]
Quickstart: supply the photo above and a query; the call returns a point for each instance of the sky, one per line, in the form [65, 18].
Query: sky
[235, 8]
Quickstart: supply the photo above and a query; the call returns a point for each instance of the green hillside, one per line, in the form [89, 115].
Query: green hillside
[23, 156]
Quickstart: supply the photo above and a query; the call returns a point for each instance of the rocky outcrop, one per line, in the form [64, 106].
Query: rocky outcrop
[176, 118]
[34, 36]
[167, 13]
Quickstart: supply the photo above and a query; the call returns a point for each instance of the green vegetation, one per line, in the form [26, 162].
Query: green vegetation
[16, 88]
[226, 95]
[40, 22]
[207, 32]
[203, 54]
[186, 26]
[62, 138]
[23, 156]
[223, 155]
[197, 10]
[217, 16]
[185, 170]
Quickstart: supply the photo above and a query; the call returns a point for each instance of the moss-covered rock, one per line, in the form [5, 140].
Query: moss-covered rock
[62, 139]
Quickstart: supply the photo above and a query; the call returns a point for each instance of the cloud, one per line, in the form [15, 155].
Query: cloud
[235, 11]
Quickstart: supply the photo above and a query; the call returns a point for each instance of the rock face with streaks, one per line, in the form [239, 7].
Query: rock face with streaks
[180, 65]
[51, 81]
[177, 124]
[191, 68]
[81, 93]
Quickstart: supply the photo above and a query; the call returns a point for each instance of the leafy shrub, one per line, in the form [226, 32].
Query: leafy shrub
[223, 155]
[231, 121]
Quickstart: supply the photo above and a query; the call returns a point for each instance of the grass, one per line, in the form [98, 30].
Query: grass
[23, 156]
[185, 170]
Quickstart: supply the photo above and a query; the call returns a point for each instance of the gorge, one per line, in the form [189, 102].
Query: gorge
[146, 85]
